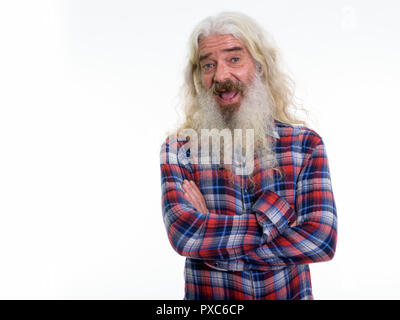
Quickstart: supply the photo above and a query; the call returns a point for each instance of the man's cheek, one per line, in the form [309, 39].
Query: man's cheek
[206, 82]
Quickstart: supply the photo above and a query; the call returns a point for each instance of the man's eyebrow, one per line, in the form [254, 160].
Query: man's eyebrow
[205, 56]
[233, 49]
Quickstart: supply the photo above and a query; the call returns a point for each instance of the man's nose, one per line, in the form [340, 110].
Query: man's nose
[221, 73]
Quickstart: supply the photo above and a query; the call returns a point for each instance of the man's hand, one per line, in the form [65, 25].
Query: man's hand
[194, 196]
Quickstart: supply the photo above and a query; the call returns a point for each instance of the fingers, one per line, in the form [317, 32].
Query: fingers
[190, 195]
[199, 196]
[194, 196]
[196, 190]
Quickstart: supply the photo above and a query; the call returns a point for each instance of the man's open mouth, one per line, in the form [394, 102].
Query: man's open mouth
[228, 95]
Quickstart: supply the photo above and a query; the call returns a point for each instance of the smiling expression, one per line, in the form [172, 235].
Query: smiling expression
[227, 64]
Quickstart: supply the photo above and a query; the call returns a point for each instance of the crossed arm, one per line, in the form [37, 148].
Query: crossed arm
[274, 234]
[194, 196]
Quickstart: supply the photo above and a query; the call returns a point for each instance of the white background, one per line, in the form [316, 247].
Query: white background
[87, 91]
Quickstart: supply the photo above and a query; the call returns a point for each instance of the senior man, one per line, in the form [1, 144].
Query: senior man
[246, 234]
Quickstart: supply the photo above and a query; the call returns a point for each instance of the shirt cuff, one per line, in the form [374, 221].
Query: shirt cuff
[274, 214]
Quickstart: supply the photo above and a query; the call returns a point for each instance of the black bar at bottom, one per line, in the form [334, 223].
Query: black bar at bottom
[180, 309]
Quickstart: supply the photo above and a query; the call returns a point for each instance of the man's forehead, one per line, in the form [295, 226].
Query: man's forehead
[219, 42]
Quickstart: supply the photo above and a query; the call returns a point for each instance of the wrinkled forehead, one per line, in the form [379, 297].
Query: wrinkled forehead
[219, 42]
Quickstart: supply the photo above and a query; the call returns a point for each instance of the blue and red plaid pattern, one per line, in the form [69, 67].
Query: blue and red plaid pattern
[258, 238]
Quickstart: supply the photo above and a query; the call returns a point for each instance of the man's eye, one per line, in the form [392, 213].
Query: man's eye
[235, 59]
[207, 66]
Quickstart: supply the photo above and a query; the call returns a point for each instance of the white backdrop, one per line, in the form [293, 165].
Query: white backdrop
[87, 90]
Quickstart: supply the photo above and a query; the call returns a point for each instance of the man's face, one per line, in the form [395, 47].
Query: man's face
[227, 64]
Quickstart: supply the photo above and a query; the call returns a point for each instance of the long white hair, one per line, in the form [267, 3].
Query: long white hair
[261, 46]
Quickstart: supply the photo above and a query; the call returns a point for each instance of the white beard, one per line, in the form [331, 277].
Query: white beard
[253, 113]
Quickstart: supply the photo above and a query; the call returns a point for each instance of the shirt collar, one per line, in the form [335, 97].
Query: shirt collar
[273, 132]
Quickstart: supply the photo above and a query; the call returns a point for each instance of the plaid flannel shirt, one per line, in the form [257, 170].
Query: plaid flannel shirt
[257, 239]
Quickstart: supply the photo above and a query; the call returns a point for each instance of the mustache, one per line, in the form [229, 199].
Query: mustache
[226, 86]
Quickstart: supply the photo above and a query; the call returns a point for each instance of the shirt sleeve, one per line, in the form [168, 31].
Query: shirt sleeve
[304, 234]
[194, 234]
